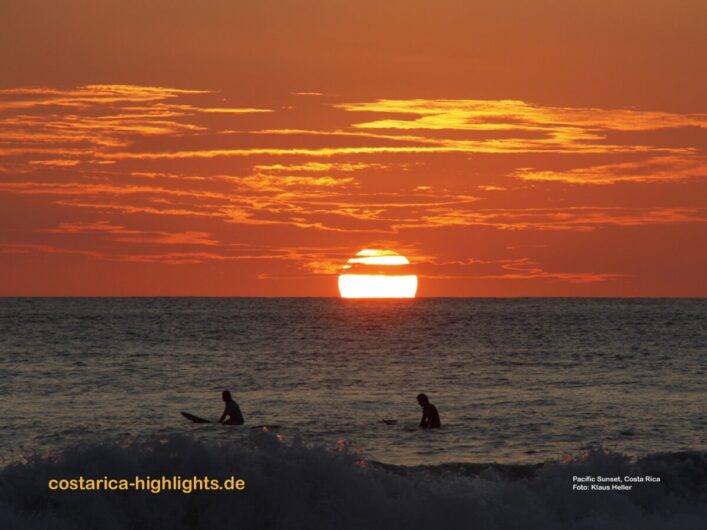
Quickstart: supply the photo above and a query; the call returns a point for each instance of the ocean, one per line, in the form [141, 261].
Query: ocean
[530, 393]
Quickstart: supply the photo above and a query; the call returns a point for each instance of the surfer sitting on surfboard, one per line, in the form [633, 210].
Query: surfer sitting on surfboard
[430, 416]
[232, 410]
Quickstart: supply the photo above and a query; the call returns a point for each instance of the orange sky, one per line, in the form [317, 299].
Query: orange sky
[546, 148]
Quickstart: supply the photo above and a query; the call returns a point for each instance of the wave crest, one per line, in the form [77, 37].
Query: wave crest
[293, 486]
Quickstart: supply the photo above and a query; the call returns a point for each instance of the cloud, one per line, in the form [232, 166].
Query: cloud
[581, 219]
[317, 167]
[556, 129]
[230, 110]
[122, 234]
[43, 121]
[87, 96]
[97, 226]
[521, 268]
[527, 269]
[654, 169]
[515, 115]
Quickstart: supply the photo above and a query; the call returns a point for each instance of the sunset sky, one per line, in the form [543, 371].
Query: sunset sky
[250, 148]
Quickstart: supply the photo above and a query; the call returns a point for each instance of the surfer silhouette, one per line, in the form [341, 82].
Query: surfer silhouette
[430, 416]
[232, 410]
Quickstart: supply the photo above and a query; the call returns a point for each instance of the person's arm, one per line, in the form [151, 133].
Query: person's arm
[223, 416]
[425, 419]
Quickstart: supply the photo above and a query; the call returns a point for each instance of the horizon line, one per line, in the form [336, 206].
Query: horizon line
[647, 297]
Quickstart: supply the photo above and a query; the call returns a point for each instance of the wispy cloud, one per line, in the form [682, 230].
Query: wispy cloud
[522, 268]
[582, 218]
[515, 115]
[653, 169]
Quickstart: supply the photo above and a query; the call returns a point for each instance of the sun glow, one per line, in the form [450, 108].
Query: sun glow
[375, 273]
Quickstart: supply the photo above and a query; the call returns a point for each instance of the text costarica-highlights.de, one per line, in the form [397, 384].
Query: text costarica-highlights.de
[153, 485]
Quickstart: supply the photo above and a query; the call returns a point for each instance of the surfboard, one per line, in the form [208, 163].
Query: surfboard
[195, 419]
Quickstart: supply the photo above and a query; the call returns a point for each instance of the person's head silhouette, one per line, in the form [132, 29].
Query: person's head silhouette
[226, 395]
[422, 399]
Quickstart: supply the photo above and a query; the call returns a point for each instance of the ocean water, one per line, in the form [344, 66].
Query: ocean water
[98, 385]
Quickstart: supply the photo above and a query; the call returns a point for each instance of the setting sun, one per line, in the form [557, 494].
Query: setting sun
[375, 273]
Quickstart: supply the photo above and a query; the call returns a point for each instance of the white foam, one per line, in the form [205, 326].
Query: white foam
[292, 486]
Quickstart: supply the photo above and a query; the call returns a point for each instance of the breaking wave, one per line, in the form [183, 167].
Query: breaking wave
[297, 487]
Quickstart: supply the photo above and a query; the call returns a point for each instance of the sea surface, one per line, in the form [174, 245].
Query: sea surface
[514, 380]
[524, 383]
